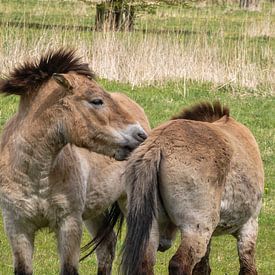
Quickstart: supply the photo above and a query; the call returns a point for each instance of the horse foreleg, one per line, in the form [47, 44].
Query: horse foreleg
[21, 237]
[203, 266]
[69, 238]
[105, 253]
[246, 242]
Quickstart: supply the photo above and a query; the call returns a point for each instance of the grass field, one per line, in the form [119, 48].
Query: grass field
[222, 45]
[221, 53]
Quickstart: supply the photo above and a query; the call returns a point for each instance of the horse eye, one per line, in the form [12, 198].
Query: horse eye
[96, 102]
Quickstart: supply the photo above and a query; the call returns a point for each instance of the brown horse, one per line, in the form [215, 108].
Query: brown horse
[105, 187]
[202, 174]
[43, 175]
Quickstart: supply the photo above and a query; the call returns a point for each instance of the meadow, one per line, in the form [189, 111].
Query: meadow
[177, 55]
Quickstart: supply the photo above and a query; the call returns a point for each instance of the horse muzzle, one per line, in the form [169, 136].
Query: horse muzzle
[132, 137]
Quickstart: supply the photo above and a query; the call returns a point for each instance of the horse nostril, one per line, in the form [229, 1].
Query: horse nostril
[141, 136]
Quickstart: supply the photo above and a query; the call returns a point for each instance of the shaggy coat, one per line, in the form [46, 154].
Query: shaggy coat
[200, 173]
[43, 174]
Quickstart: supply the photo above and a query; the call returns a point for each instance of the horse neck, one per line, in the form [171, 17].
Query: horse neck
[37, 143]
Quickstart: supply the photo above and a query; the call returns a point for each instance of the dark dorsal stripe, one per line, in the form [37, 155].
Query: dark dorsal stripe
[204, 111]
[32, 74]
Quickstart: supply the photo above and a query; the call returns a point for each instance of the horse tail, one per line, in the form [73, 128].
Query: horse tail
[113, 216]
[141, 176]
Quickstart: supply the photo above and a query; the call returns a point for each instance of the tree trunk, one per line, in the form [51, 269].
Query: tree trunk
[244, 4]
[114, 17]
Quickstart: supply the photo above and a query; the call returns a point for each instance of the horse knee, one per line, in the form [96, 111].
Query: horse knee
[68, 269]
[149, 259]
[22, 248]
[203, 266]
[20, 269]
[102, 271]
[22, 265]
[247, 271]
[69, 239]
[147, 267]
[105, 255]
[202, 269]
[176, 267]
[246, 239]
[192, 249]
[111, 245]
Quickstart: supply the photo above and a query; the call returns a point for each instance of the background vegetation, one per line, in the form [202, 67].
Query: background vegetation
[176, 56]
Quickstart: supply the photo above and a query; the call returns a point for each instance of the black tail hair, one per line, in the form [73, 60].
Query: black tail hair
[142, 178]
[113, 216]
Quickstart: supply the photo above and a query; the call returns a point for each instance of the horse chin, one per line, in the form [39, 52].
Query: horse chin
[122, 153]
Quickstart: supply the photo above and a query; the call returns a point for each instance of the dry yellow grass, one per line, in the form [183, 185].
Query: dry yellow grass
[218, 54]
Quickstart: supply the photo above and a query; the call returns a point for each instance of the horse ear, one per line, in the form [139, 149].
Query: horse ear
[63, 81]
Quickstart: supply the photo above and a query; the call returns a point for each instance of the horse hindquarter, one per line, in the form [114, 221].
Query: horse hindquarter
[192, 179]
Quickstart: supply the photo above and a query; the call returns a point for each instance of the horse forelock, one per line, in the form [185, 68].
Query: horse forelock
[30, 75]
[204, 111]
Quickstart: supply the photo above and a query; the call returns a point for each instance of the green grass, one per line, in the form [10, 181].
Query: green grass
[160, 103]
[72, 13]
[236, 35]
[188, 19]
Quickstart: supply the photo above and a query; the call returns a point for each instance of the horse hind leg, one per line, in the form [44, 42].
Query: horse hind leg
[21, 238]
[69, 239]
[105, 253]
[203, 266]
[191, 250]
[246, 243]
[196, 219]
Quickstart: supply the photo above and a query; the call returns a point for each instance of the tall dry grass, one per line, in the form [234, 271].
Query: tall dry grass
[147, 58]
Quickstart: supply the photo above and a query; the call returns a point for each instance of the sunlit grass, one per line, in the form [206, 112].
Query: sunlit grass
[203, 53]
[159, 104]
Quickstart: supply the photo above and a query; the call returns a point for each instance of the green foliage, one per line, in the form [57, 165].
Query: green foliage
[160, 103]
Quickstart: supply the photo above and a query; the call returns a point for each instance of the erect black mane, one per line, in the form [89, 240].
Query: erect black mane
[204, 111]
[32, 74]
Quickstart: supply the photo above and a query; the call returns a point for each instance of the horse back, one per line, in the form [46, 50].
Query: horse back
[198, 147]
